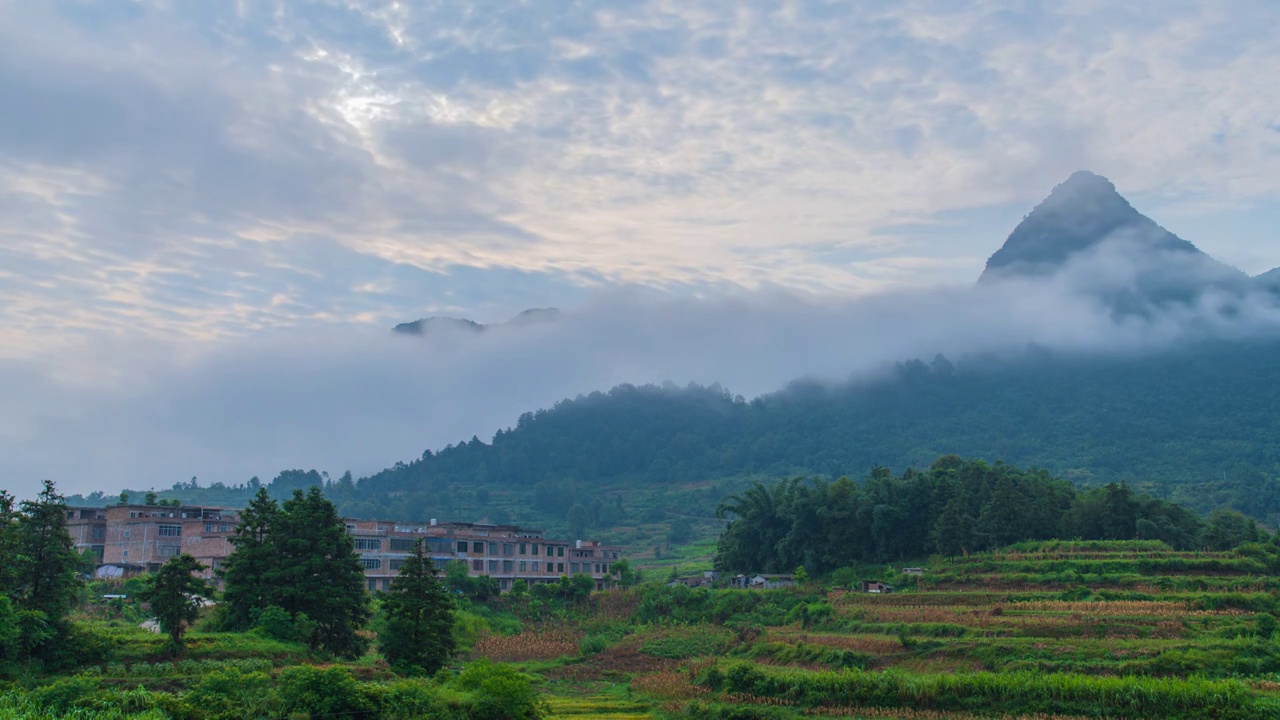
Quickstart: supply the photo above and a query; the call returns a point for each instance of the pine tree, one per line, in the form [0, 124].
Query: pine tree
[174, 593]
[1003, 519]
[247, 570]
[953, 533]
[46, 557]
[318, 572]
[8, 546]
[417, 635]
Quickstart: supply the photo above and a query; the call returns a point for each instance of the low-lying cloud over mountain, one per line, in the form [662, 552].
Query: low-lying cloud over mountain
[359, 398]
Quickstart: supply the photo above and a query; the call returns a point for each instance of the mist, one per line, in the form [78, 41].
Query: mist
[360, 398]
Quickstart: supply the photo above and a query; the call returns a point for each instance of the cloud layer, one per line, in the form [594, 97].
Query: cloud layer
[357, 399]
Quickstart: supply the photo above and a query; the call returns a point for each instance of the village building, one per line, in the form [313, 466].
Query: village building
[761, 582]
[131, 539]
[876, 586]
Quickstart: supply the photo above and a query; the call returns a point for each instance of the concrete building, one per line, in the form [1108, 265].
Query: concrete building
[129, 539]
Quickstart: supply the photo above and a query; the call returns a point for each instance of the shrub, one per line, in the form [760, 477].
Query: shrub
[500, 692]
[332, 691]
[276, 623]
[232, 694]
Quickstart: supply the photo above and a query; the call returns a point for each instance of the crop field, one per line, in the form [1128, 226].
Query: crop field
[1042, 630]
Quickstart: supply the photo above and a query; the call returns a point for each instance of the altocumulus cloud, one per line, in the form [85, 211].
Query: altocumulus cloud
[214, 169]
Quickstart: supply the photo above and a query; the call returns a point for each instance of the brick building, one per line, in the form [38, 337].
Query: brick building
[130, 539]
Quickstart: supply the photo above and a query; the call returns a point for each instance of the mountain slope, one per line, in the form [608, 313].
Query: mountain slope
[1118, 252]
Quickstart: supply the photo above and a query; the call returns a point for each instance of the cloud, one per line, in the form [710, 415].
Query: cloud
[136, 415]
[173, 168]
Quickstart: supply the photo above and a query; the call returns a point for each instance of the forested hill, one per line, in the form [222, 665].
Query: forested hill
[1196, 425]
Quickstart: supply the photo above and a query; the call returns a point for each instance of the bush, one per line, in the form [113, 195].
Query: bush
[232, 694]
[332, 691]
[276, 623]
[500, 692]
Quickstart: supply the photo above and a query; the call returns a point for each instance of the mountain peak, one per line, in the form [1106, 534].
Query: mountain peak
[532, 316]
[1079, 214]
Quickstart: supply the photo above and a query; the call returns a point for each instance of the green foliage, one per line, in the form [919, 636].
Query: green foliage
[175, 595]
[322, 692]
[417, 630]
[501, 692]
[275, 622]
[1064, 694]
[824, 526]
[235, 694]
[298, 557]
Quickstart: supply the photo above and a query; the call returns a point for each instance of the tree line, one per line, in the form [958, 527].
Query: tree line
[953, 507]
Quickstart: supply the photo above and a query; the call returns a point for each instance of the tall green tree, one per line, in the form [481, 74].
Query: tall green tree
[318, 572]
[953, 534]
[46, 558]
[247, 572]
[417, 635]
[175, 594]
[1003, 518]
[8, 545]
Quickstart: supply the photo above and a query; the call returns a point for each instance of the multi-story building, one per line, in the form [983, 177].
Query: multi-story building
[130, 539]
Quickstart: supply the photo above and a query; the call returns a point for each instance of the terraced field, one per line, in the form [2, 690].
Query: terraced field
[1059, 629]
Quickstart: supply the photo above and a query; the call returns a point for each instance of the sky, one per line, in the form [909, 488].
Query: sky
[210, 213]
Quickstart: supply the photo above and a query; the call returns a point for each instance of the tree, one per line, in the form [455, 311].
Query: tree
[578, 518]
[953, 533]
[247, 570]
[46, 556]
[8, 546]
[417, 635]
[1002, 519]
[150, 498]
[621, 569]
[174, 593]
[681, 531]
[317, 571]
[124, 498]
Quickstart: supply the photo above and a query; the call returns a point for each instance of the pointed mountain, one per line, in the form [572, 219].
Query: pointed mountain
[1079, 215]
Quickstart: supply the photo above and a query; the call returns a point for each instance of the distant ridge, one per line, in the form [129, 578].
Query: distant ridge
[533, 316]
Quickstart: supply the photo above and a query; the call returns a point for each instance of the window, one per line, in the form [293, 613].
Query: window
[523, 566]
[462, 546]
[606, 568]
[534, 549]
[477, 565]
[508, 549]
[401, 545]
[371, 563]
[126, 554]
[536, 566]
[524, 549]
[395, 564]
[506, 566]
[615, 556]
[133, 514]
[560, 551]
[126, 533]
[573, 568]
[493, 566]
[372, 584]
[208, 527]
[493, 548]
[368, 544]
[167, 550]
[477, 547]
[222, 527]
[560, 568]
[170, 531]
[98, 532]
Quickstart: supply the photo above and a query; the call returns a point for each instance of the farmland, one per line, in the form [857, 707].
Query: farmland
[1050, 629]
